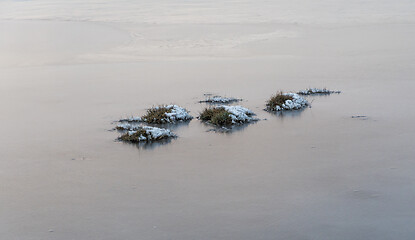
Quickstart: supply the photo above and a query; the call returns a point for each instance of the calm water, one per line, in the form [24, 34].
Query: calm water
[313, 174]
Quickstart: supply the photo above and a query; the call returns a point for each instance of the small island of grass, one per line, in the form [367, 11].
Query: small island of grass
[220, 100]
[317, 91]
[139, 134]
[162, 114]
[227, 115]
[285, 101]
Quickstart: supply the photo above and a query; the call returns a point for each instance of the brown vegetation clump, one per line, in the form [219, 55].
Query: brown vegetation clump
[216, 116]
[277, 100]
[138, 136]
[156, 115]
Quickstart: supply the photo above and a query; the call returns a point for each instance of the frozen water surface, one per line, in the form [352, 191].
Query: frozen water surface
[68, 69]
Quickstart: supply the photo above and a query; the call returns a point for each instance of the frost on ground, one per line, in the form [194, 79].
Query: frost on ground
[312, 91]
[162, 114]
[227, 115]
[219, 99]
[125, 126]
[138, 134]
[286, 101]
[131, 119]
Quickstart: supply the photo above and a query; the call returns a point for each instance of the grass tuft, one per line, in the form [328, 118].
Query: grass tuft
[277, 100]
[216, 116]
[135, 137]
[120, 128]
[156, 115]
[221, 119]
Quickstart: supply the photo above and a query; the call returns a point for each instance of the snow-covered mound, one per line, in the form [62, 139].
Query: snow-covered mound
[311, 91]
[227, 115]
[219, 99]
[239, 114]
[177, 114]
[144, 133]
[162, 114]
[128, 126]
[292, 101]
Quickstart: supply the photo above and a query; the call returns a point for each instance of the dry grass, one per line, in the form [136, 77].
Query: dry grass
[216, 116]
[156, 115]
[134, 138]
[277, 100]
[120, 128]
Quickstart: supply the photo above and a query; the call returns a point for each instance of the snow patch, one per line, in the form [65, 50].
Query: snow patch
[312, 91]
[239, 114]
[146, 133]
[131, 119]
[177, 114]
[155, 132]
[219, 99]
[128, 126]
